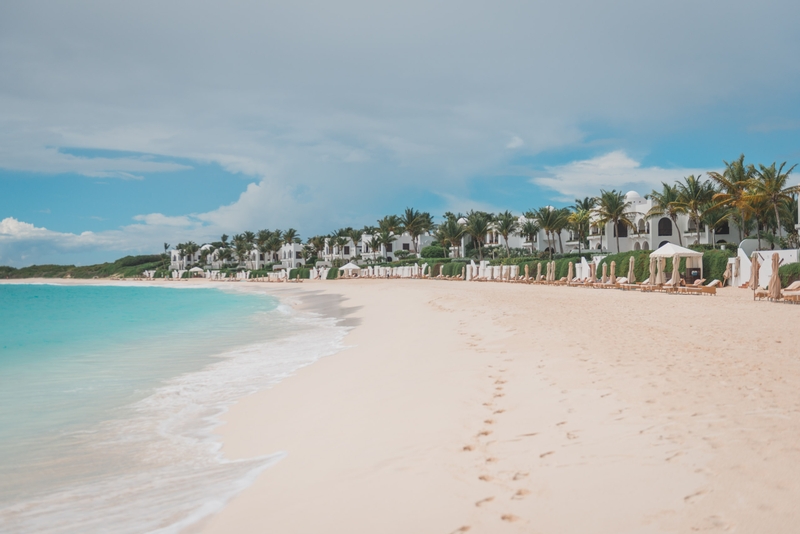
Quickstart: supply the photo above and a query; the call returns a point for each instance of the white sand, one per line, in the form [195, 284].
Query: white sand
[511, 408]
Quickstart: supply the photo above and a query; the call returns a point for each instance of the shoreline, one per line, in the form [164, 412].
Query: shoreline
[513, 408]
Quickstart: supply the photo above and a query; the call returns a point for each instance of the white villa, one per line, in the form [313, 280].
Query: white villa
[290, 256]
[651, 234]
[351, 250]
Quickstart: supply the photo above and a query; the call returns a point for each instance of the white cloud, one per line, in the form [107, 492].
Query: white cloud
[515, 142]
[615, 170]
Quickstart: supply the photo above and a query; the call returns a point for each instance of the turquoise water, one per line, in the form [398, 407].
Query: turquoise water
[107, 390]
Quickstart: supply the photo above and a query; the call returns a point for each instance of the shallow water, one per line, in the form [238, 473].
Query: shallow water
[108, 396]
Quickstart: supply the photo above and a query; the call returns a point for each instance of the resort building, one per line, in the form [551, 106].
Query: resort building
[351, 251]
[652, 233]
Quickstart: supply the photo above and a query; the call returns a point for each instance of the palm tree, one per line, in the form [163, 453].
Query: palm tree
[317, 244]
[479, 223]
[613, 208]
[693, 195]
[587, 204]
[340, 241]
[374, 245]
[291, 236]
[262, 244]
[355, 236]
[225, 255]
[415, 223]
[506, 224]
[166, 254]
[561, 222]
[241, 247]
[712, 216]
[449, 233]
[733, 184]
[385, 238]
[274, 244]
[190, 249]
[769, 186]
[529, 230]
[547, 218]
[665, 203]
[390, 223]
[249, 237]
[579, 221]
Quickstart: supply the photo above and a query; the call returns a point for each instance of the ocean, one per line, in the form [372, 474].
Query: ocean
[109, 395]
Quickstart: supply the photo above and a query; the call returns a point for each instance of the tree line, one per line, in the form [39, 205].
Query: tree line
[756, 199]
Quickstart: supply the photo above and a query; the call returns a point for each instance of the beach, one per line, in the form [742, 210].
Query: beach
[502, 407]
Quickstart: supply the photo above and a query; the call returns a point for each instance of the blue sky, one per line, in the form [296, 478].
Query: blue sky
[124, 126]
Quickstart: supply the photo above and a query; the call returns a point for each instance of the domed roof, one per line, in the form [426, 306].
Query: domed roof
[632, 195]
[462, 220]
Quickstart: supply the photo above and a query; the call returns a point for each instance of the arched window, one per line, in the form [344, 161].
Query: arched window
[723, 228]
[640, 226]
[637, 246]
[599, 246]
[645, 246]
[664, 226]
[663, 243]
[647, 227]
[622, 230]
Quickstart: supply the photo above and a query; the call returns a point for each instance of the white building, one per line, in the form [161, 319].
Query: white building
[362, 249]
[652, 233]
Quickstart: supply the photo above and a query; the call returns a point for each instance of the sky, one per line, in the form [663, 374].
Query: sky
[125, 125]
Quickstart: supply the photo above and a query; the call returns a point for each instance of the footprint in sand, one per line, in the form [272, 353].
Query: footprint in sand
[491, 460]
[484, 433]
[498, 395]
[518, 476]
[548, 453]
[484, 501]
[509, 517]
[499, 411]
[461, 529]
[485, 478]
[468, 448]
[689, 499]
[520, 494]
[489, 421]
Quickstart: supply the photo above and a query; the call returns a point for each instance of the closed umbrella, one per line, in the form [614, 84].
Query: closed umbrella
[613, 278]
[631, 274]
[754, 268]
[774, 288]
[538, 271]
[726, 276]
[676, 276]
[605, 276]
[527, 270]
[662, 262]
[552, 271]
[653, 279]
[570, 272]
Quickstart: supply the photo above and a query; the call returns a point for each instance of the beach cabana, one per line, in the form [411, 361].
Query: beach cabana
[694, 259]
[350, 268]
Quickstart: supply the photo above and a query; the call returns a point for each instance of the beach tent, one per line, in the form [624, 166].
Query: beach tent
[349, 268]
[694, 259]
[676, 276]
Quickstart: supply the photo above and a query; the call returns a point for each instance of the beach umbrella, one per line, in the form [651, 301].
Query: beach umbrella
[547, 273]
[538, 271]
[553, 271]
[774, 288]
[726, 276]
[527, 271]
[631, 273]
[754, 269]
[570, 272]
[613, 277]
[662, 262]
[463, 272]
[591, 279]
[676, 276]
[605, 275]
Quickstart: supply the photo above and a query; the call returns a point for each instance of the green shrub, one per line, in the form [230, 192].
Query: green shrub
[304, 273]
[333, 274]
[453, 268]
[715, 262]
[433, 251]
[789, 273]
